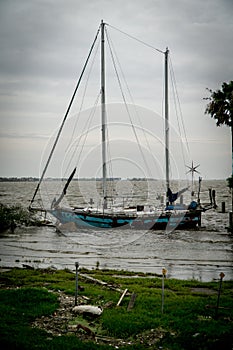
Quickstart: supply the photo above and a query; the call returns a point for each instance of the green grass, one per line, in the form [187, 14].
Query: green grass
[186, 323]
[18, 308]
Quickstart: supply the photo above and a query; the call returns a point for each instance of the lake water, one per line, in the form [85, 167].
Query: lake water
[196, 254]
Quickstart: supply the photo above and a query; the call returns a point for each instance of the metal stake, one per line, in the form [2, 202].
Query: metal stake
[164, 272]
[219, 292]
[76, 283]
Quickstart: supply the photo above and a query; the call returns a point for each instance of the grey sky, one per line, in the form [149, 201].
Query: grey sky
[44, 45]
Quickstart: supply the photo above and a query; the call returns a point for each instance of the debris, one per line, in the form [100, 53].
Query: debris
[122, 296]
[132, 302]
[28, 267]
[102, 283]
[86, 330]
[92, 279]
[208, 306]
[113, 341]
[88, 309]
[108, 305]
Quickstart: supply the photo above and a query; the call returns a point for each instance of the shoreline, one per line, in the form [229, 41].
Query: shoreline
[116, 273]
[134, 313]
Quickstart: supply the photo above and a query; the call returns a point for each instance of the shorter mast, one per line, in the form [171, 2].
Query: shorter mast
[103, 115]
[166, 121]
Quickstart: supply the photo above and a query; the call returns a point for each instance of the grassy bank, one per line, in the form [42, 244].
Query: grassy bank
[30, 305]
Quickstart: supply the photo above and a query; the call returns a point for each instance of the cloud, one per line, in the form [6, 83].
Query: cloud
[25, 136]
[44, 45]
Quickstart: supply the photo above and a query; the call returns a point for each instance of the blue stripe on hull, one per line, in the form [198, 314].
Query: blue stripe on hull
[83, 220]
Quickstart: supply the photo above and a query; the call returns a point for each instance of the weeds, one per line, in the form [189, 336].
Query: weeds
[14, 215]
[188, 321]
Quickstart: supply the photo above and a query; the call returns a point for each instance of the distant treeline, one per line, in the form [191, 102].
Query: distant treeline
[35, 179]
[18, 179]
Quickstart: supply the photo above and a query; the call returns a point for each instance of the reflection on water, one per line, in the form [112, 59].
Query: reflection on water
[200, 254]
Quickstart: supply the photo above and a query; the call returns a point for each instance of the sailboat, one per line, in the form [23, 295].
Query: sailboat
[171, 216]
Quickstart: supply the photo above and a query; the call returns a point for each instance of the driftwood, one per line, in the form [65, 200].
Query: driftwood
[219, 307]
[108, 339]
[102, 283]
[86, 330]
[132, 302]
[122, 296]
[92, 279]
[28, 267]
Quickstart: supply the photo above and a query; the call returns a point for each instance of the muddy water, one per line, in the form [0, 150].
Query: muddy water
[198, 254]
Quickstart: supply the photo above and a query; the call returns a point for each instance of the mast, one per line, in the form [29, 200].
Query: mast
[103, 118]
[166, 120]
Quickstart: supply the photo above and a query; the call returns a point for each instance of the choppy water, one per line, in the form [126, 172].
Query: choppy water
[198, 254]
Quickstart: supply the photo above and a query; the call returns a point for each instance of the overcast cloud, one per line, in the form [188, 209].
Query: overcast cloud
[44, 45]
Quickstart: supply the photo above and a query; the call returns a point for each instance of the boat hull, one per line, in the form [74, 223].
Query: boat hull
[165, 220]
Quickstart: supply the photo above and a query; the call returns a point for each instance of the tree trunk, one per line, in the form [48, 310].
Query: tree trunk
[230, 229]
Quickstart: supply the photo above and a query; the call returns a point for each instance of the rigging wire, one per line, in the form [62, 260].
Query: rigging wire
[110, 170]
[178, 101]
[126, 105]
[110, 182]
[178, 112]
[145, 44]
[83, 96]
[114, 59]
[63, 122]
[84, 134]
[88, 125]
[79, 114]
[136, 39]
[177, 119]
[133, 104]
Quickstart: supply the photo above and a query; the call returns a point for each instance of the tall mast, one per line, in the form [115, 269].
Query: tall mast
[103, 115]
[166, 121]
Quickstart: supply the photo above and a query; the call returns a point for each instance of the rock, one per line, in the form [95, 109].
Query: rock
[108, 305]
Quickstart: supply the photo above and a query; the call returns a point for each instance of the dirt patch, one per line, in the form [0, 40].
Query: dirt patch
[57, 324]
[64, 322]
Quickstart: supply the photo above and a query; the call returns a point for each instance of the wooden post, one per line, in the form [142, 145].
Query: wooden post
[181, 199]
[131, 302]
[219, 292]
[223, 207]
[214, 199]
[210, 196]
[76, 283]
[164, 272]
[230, 228]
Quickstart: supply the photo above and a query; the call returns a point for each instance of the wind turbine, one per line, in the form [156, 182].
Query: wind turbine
[192, 170]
